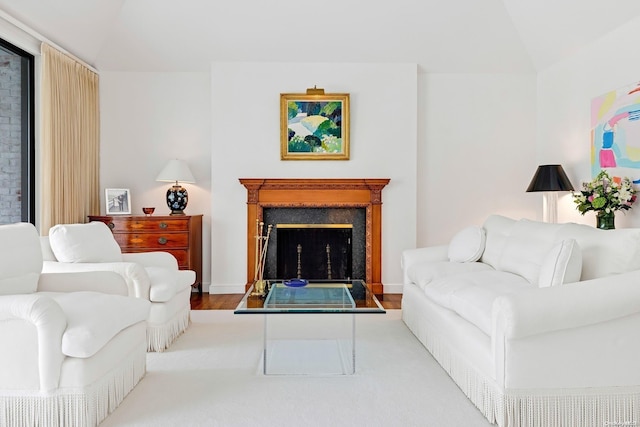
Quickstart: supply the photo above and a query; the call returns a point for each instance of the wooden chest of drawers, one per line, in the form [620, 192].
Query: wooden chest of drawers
[181, 236]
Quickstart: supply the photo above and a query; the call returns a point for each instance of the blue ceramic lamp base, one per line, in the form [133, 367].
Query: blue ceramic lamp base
[177, 199]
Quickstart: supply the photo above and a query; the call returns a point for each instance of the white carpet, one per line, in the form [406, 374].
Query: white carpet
[210, 377]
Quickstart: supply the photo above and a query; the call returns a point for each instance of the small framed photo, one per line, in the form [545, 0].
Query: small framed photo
[117, 201]
[314, 126]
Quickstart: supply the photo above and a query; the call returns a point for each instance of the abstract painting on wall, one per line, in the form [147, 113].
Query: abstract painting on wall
[615, 133]
[314, 126]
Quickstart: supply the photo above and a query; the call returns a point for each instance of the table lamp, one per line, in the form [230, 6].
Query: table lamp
[550, 179]
[177, 197]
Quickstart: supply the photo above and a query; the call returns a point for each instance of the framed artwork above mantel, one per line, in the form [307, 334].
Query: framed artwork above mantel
[314, 126]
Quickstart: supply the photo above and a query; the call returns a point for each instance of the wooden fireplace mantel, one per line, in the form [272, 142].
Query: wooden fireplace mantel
[319, 193]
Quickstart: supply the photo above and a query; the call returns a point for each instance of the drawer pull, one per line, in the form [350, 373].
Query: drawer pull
[111, 225]
[162, 240]
[163, 225]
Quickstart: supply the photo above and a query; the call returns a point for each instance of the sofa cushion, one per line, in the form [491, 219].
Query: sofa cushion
[496, 228]
[94, 318]
[467, 245]
[474, 303]
[526, 248]
[425, 273]
[443, 290]
[21, 260]
[563, 264]
[91, 242]
[605, 252]
[471, 296]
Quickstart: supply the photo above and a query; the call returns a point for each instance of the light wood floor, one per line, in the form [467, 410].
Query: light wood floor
[230, 301]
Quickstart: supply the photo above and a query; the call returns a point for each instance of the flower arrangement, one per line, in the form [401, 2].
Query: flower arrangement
[605, 194]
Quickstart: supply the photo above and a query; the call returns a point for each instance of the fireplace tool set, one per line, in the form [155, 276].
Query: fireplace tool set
[262, 242]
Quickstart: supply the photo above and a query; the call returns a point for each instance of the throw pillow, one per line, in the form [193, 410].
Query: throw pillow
[467, 245]
[526, 248]
[563, 264]
[92, 242]
[605, 252]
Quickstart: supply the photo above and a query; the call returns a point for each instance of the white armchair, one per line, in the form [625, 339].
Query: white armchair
[153, 276]
[68, 358]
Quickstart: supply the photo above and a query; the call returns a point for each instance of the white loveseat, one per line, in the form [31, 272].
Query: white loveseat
[153, 276]
[73, 345]
[537, 323]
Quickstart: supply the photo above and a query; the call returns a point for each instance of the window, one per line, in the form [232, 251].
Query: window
[17, 139]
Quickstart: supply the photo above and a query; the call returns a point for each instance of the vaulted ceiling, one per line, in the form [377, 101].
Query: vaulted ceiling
[442, 36]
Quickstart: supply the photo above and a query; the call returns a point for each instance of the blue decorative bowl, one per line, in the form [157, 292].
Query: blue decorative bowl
[296, 283]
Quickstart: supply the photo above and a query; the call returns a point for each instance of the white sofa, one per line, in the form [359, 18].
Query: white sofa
[73, 345]
[153, 276]
[537, 323]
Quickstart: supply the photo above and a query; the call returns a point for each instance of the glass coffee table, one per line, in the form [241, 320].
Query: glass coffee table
[310, 329]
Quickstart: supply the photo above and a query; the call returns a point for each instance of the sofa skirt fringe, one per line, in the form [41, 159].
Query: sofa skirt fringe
[596, 407]
[590, 407]
[160, 337]
[68, 408]
[475, 386]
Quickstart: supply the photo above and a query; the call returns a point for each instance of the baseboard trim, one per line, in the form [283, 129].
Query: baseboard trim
[226, 289]
[394, 288]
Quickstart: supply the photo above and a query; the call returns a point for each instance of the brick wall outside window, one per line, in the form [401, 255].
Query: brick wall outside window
[10, 138]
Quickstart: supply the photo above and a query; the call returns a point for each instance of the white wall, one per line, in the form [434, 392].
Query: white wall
[146, 120]
[565, 92]
[476, 151]
[246, 144]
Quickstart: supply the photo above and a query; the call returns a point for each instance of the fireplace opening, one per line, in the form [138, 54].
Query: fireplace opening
[314, 251]
[350, 220]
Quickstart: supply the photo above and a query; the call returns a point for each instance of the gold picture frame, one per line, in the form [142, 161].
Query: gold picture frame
[314, 126]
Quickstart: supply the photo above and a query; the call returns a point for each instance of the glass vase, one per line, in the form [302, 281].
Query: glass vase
[606, 220]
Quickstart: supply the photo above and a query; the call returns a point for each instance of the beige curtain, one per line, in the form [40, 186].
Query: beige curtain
[70, 154]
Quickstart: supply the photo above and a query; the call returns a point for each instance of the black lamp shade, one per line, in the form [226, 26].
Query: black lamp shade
[550, 178]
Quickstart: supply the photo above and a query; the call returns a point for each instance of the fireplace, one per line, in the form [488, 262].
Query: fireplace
[357, 202]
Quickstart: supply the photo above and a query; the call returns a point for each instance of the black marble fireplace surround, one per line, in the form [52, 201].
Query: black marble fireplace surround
[356, 217]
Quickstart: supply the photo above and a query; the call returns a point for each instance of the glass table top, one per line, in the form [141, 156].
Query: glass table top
[318, 296]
